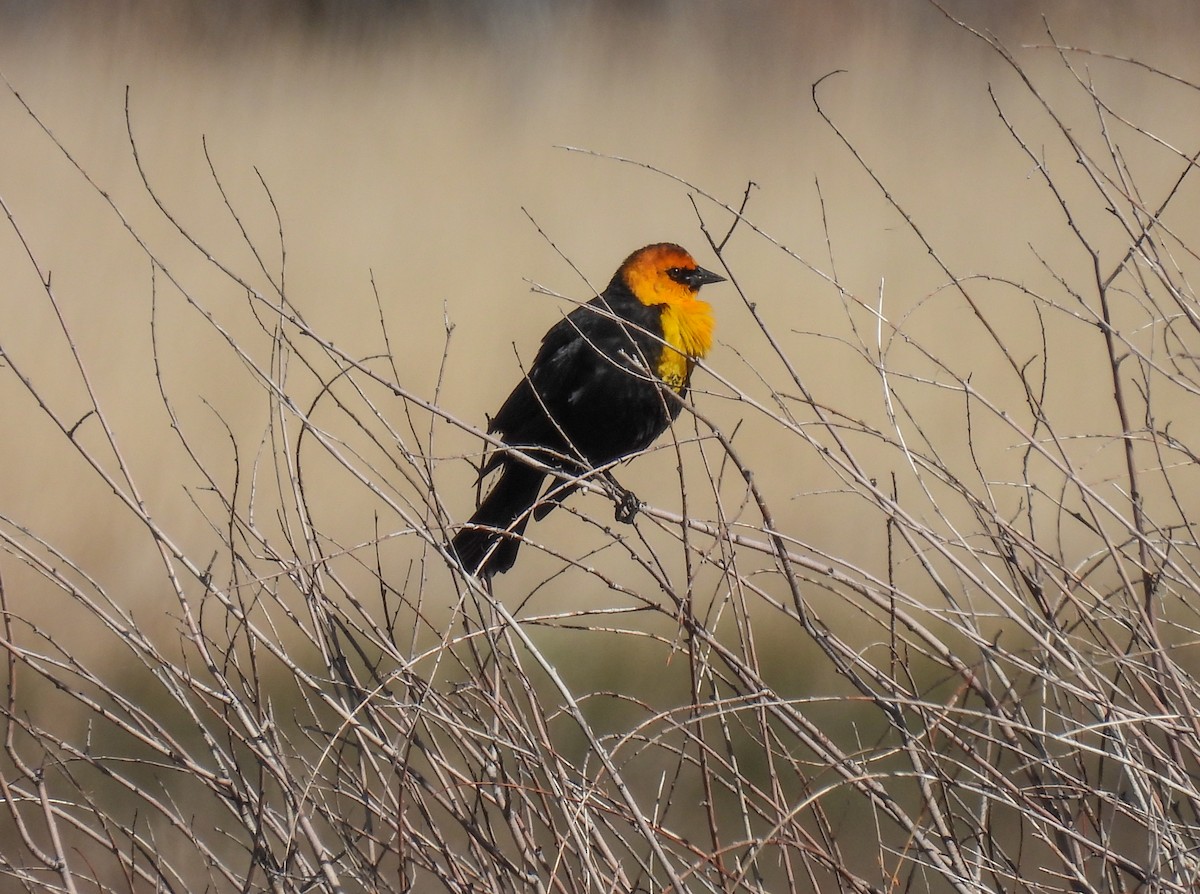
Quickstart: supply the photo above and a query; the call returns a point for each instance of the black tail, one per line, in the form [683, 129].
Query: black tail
[505, 508]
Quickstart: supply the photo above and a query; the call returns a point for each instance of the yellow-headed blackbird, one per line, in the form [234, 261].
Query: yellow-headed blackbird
[593, 395]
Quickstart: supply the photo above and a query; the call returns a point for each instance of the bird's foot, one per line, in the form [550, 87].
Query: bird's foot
[628, 506]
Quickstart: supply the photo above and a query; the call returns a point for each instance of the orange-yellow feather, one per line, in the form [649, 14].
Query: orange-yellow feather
[687, 321]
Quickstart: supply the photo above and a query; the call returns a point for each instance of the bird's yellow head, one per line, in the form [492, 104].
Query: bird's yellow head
[664, 274]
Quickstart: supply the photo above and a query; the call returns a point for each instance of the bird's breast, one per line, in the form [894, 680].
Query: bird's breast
[687, 329]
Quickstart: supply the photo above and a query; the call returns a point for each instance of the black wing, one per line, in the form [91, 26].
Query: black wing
[588, 393]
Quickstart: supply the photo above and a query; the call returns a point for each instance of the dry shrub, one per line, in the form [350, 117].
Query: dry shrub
[998, 696]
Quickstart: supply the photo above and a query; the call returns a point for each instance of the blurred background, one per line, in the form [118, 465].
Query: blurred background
[426, 164]
[417, 148]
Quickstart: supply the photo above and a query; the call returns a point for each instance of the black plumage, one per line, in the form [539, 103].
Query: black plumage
[591, 396]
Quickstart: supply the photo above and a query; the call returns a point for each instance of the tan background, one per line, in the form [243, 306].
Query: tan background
[405, 146]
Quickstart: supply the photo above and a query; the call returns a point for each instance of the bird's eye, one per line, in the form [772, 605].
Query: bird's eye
[679, 274]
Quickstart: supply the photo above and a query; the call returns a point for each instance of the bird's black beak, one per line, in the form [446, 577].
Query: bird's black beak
[701, 277]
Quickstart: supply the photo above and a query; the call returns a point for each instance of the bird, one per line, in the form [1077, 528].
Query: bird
[594, 394]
